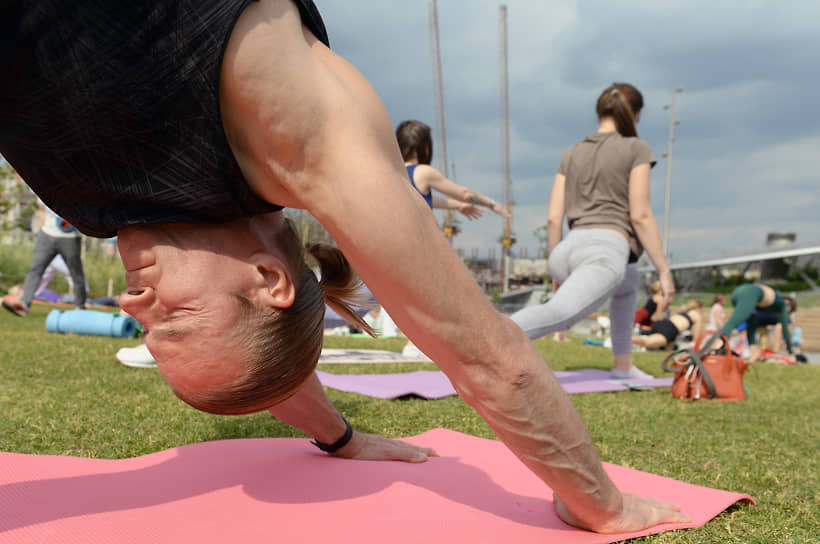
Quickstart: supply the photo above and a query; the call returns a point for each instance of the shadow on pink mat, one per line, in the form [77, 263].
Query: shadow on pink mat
[258, 490]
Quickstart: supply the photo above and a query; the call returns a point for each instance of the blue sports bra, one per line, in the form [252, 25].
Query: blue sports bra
[428, 198]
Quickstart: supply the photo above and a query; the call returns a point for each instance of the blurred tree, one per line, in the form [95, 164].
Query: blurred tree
[15, 195]
[543, 242]
[309, 227]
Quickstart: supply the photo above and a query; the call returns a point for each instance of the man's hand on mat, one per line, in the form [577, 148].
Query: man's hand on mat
[373, 447]
[638, 513]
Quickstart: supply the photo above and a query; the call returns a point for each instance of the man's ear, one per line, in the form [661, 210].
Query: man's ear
[276, 286]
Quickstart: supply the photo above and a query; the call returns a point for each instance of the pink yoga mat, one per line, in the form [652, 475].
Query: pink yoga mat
[434, 384]
[284, 490]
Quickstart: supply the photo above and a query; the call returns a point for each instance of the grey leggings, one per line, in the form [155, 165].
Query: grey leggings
[591, 266]
[45, 248]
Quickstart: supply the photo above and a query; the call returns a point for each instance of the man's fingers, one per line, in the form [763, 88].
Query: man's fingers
[661, 511]
[638, 513]
[378, 448]
[670, 513]
[403, 451]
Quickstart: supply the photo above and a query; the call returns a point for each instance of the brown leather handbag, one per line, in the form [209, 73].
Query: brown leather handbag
[708, 373]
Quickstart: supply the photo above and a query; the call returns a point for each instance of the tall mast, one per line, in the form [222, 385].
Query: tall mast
[441, 131]
[668, 154]
[507, 239]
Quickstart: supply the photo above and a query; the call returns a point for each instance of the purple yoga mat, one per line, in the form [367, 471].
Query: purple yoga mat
[594, 380]
[427, 384]
[434, 384]
[363, 356]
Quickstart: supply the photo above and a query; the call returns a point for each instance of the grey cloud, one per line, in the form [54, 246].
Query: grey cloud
[748, 114]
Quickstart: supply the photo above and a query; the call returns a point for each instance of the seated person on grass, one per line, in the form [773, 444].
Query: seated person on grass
[664, 332]
[653, 309]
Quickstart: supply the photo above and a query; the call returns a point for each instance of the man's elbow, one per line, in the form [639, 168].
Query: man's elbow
[498, 387]
[503, 368]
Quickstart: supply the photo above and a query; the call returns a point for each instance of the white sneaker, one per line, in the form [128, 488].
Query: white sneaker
[633, 373]
[410, 350]
[138, 357]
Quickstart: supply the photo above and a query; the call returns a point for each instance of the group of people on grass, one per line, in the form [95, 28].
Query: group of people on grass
[754, 306]
[185, 132]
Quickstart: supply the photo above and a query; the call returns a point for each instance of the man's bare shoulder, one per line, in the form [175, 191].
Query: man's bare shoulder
[294, 112]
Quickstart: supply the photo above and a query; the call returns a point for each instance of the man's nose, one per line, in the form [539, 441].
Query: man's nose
[138, 303]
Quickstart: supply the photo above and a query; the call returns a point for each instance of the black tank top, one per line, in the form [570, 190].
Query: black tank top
[110, 110]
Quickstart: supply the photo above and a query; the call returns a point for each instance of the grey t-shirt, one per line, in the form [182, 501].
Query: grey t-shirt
[597, 182]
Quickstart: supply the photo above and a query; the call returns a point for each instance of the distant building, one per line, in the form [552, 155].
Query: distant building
[531, 269]
[777, 268]
[780, 238]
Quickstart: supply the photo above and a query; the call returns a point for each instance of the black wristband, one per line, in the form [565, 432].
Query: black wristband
[339, 444]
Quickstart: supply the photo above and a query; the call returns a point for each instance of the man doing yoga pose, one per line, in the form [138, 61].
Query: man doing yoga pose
[184, 127]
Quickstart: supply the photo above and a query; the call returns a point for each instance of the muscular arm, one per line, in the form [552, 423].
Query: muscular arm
[294, 138]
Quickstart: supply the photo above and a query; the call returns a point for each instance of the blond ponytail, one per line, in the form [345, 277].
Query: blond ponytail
[340, 284]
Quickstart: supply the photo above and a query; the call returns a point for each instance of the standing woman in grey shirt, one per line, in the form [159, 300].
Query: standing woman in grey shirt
[602, 187]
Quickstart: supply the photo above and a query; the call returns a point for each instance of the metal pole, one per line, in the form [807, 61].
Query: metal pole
[668, 155]
[506, 239]
[438, 87]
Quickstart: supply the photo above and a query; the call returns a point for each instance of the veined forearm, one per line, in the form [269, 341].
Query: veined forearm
[531, 413]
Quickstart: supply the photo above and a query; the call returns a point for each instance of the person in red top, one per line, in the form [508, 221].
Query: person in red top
[650, 311]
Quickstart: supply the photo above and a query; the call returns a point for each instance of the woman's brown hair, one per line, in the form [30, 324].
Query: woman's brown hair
[415, 141]
[282, 345]
[622, 102]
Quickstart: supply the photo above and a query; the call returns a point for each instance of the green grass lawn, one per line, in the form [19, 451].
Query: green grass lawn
[67, 395]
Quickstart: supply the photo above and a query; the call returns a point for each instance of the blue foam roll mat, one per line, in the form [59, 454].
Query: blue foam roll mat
[91, 322]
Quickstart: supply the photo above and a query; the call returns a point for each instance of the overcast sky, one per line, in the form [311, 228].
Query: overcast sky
[747, 150]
